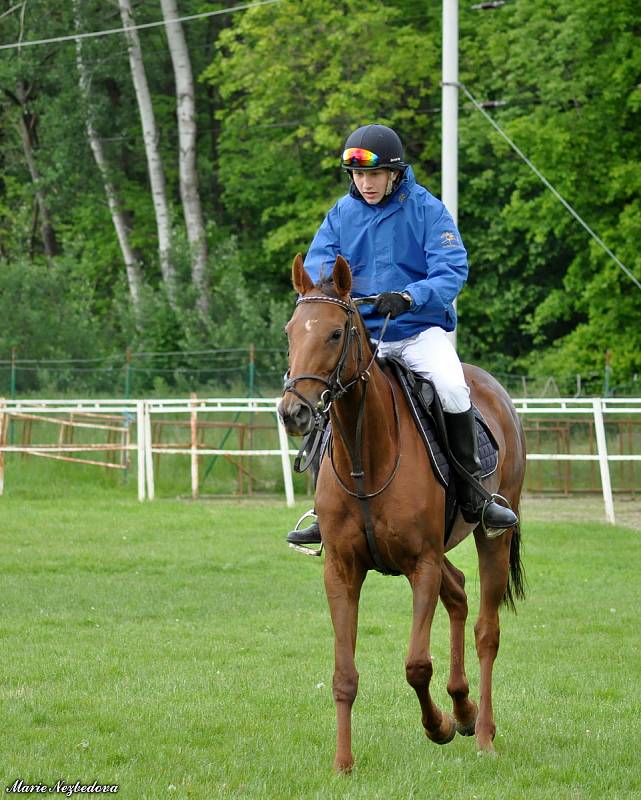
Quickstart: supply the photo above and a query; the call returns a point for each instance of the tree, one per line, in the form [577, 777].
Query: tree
[151, 139]
[186, 115]
[132, 265]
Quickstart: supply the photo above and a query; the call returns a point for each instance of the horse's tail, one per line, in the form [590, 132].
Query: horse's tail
[515, 589]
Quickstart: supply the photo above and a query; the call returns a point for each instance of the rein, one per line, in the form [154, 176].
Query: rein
[335, 389]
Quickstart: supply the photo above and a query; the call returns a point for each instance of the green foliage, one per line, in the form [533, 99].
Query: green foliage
[46, 311]
[280, 87]
[540, 286]
[282, 129]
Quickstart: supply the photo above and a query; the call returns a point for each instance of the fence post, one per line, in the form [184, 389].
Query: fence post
[284, 457]
[13, 389]
[140, 441]
[3, 441]
[193, 418]
[149, 459]
[602, 450]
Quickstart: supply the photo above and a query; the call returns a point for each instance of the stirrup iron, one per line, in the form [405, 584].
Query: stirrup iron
[303, 548]
[493, 533]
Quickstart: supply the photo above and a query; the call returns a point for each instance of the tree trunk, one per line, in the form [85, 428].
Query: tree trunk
[27, 129]
[132, 266]
[186, 114]
[151, 140]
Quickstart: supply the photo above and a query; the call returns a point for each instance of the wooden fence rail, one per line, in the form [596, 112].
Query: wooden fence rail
[118, 417]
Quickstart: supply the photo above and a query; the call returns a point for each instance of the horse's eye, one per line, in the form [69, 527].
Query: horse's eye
[336, 335]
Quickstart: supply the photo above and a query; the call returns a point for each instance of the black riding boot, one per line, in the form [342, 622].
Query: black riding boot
[311, 534]
[461, 433]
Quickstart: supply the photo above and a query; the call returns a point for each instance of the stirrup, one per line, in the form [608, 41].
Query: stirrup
[303, 548]
[494, 533]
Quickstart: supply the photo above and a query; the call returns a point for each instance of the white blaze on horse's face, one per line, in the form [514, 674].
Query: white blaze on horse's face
[309, 323]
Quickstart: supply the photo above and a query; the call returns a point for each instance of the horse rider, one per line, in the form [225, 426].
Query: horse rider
[402, 245]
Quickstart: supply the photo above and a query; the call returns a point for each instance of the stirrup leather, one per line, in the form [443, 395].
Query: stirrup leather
[302, 548]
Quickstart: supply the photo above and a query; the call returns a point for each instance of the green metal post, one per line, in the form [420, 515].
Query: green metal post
[251, 371]
[125, 476]
[13, 390]
[607, 374]
[13, 373]
[127, 374]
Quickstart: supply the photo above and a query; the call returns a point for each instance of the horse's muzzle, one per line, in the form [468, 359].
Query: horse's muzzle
[296, 416]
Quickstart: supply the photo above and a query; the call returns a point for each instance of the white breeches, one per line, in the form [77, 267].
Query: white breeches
[432, 355]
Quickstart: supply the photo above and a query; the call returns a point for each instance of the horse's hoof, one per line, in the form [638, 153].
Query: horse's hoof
[446, 731]
[484, 744]
[468, 728]
[343, 766]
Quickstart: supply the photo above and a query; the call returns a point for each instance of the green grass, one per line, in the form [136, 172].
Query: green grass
[180, 650]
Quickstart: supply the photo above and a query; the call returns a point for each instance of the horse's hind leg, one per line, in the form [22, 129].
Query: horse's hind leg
[439, 726]
[494, 555]
[343, 585]
[454, 599]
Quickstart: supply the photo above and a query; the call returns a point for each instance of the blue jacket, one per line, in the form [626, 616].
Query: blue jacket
[409, 243]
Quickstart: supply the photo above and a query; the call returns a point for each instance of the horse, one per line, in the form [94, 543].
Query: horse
[379, 503]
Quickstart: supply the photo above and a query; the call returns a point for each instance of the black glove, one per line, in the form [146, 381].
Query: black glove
[392, 303]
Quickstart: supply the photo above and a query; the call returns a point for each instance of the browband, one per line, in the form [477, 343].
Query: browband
[321, 298]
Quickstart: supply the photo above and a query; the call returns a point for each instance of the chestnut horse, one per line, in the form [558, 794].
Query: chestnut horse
[331, 364]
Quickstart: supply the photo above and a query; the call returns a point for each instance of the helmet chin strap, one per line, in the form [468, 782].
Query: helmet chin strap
[390, 183]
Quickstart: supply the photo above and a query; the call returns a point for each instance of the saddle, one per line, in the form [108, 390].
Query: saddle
[427, 412]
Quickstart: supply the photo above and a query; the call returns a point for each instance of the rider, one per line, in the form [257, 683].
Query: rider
[402, 244]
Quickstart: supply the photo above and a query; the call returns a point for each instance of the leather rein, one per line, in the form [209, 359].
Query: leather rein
[335, 389]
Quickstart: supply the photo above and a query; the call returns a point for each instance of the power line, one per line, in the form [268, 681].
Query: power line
[539, 174]
[96, 34]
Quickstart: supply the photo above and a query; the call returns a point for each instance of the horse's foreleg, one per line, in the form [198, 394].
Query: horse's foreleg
[494, 557]
[454, 599]
[343, 591]
[426, 580]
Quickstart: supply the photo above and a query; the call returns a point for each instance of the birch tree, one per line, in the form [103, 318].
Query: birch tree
[186, 115]
[27, 127]
[152, 151]
[132, 266]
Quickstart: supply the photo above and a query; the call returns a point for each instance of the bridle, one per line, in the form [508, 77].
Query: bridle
[336, 388]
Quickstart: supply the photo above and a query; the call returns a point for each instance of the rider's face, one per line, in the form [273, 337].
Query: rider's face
[373, 183]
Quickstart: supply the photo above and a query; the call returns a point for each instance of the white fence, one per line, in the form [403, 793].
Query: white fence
[142, 411]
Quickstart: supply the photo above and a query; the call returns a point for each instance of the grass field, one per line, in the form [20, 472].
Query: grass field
[180, 650]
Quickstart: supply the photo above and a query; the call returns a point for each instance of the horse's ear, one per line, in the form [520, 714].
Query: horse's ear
[300, 277]
[342, 276]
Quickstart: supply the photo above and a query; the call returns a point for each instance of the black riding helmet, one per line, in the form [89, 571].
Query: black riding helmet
[373, 147]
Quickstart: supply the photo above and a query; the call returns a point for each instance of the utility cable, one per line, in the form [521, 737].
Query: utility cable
[542, 177]
[96, 34]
